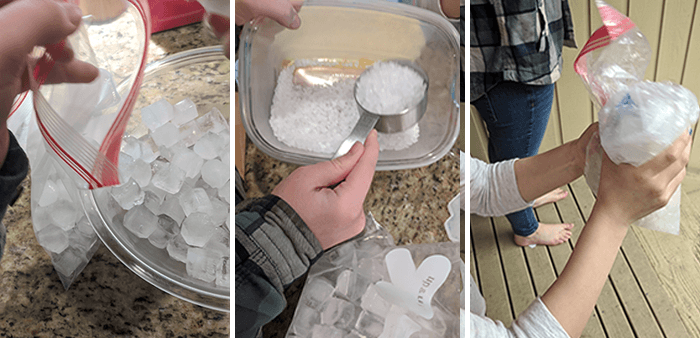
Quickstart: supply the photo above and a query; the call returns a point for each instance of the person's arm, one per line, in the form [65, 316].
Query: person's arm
[626, 194]
[279, 236]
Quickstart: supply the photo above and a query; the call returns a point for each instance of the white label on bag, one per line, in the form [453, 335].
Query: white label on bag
[413, 288]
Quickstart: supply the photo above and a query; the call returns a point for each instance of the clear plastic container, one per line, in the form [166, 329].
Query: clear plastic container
[177, 77]
[362, 32]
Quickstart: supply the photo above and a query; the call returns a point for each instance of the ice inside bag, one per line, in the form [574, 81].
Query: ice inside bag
[637, 119]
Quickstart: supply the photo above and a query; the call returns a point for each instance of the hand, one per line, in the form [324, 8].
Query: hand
[26, 24]
[333, 215]
[631, 193]
[282, 11]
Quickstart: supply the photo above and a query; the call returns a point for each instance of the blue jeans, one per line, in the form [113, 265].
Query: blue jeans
[516, 117]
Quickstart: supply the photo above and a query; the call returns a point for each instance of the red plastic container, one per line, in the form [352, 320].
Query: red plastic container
[168, 14]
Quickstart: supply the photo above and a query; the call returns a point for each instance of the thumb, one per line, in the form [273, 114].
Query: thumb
[325, 174]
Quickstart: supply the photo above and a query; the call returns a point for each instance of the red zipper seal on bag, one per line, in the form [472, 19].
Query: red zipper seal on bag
[97, 168]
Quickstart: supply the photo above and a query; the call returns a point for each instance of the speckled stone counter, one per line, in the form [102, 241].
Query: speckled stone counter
[107, 299]
[410, 204]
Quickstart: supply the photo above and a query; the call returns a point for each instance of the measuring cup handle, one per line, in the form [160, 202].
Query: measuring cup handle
[359, 133]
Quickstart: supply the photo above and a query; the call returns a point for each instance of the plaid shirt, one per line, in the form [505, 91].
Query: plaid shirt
[517, 40]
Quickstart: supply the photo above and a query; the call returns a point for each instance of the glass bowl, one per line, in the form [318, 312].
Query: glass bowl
[182, 75]
[355, 33]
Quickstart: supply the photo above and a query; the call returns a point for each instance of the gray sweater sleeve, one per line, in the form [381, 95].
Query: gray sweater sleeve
[493, 189]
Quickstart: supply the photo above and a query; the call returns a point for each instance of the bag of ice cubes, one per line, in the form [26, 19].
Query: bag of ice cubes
[637, 119]
[369, 287]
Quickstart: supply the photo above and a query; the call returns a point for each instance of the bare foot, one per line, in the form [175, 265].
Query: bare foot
[553, 196]
[547, 234]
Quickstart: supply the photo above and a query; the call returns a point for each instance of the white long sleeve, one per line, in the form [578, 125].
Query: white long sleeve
[493, 189]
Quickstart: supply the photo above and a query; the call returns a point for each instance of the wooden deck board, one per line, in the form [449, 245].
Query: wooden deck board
[633, 302]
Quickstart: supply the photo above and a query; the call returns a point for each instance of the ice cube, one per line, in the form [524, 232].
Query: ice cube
[195, 201]
[219, 242]
[64, 214]
[369, 324]
[124, 166]
[152, 202]
[157, 114]
[223, 272]
[304, 319]
[189, 134]
[68, 261]
[207, 148]
[81, 241]
[323, 331]
[202, 263]
[128, 194]
[169, 179]
[220, 211]
[185, 111]
[316, 291]
[225, 156]
[177, 249]
[171, 207]
[373, 302]
[149, 149]
[167, 229]
[131, 146]
[225, 191]
[398, 325]
[83, 225]
[351, 285]
[212, 122]
[52, 238]
[166, 135]
[215, 173]
[197, 228]
[338, 312]
[141, 221]
[165, 153]
[141, 173]
[49, 194]
[188, 161]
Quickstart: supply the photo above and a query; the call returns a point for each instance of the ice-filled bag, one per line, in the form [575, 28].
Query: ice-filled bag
[637, 119]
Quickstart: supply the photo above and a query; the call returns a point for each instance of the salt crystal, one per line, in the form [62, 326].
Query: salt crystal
[131, 146]
[177, 249]
[189, 134]
[196, 201]
[167, 229]
[188, 161]
[197, 228]
[201, 264]
[149, 149]
[209, 146]
[157, 114]
[166, 135]
[169, 179]
[128, 194]
[141, 173]
[171, 207]
[223, 273]
[215, 173]
[52, 238]
[64, 214]
[185, 111]
[388, 88]
[212, 121]
[140, 221]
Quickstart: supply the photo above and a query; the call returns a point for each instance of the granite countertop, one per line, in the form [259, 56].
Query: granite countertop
[106, 299]
[411, 204]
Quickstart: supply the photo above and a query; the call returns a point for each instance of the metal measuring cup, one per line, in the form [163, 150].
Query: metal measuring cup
[392, 123]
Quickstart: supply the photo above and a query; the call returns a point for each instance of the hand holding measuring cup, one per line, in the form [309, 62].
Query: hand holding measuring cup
[26, 24]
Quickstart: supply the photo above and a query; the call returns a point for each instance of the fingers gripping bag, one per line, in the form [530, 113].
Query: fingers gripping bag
[637, 119]
[72, 133]
[369, 287]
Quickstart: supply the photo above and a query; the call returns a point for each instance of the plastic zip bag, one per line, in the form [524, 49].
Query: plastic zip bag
[72, 135]
[370, 287]
[637, 119]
